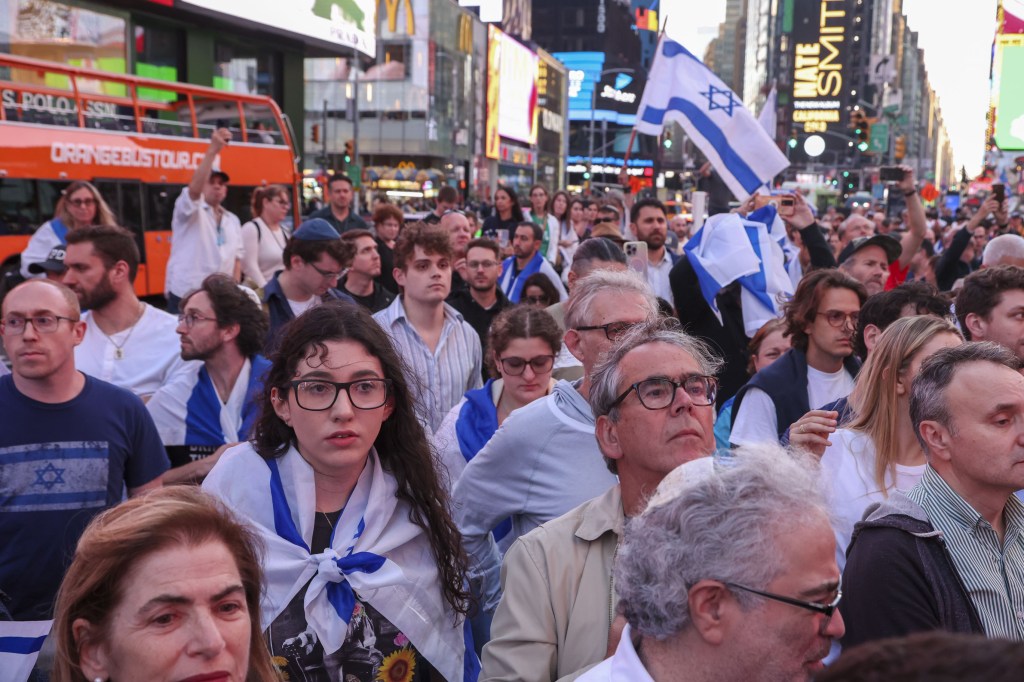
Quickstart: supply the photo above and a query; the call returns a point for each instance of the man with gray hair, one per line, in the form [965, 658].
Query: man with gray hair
[653, 395]
[730, 577]
[949, 554]
[544, 461]
[1006, 249]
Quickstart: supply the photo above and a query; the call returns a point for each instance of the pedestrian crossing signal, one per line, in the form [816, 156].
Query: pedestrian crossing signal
[349, 151]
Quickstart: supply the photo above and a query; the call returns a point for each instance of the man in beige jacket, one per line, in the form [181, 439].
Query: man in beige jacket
[653, 397]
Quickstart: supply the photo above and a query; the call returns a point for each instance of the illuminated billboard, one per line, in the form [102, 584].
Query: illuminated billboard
[820, 50]
[1008, 98]
[615, 93]
[345, 23]
[512, 83]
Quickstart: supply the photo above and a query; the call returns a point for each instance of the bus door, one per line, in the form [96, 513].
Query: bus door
[125, 200]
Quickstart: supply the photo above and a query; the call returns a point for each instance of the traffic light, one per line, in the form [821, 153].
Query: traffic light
[349, 151]
[792, 142]
[314, 132]
[861, 129]
[901, 147]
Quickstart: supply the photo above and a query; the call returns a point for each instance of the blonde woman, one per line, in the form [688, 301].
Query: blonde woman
[877, 451]
[264, 237]
[79, 205]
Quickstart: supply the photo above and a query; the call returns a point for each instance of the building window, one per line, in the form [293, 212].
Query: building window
[64, 34]
[247, 69]
[159, 54]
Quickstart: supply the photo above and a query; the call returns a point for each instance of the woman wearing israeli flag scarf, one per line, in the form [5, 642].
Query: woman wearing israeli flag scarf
[364, 567]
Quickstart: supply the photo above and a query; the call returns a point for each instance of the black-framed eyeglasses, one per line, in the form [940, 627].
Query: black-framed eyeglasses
[838, 318]
[316, 395]
[326, 274]
[612, 330]
[514, 366]
[190, 319]
[827, 610]
[15, 325]
[658, 393]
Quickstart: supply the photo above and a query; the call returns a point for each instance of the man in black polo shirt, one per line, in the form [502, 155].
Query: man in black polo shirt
[338, 212]
[483, 300]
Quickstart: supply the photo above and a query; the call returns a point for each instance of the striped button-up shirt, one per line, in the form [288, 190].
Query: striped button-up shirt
[436, 379]
[992, 571]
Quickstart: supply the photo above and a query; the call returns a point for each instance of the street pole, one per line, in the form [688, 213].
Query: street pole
[323, 140]
[354, 74]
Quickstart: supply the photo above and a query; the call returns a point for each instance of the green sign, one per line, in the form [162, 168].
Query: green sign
[879, 139]
[1009, 129]
[355, 172]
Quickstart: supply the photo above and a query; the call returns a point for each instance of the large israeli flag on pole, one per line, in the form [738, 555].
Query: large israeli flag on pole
[681, 89]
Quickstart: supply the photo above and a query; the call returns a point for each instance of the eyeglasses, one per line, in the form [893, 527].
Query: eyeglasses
[514, 366]
[79, 203]
[326, 274]
[283, 202]
[481, 264]
[190, 319]
[612, 330]
[536, 300]
[319, 395]
[837, 318]
[44, 324]
[657, 394]
[826, 609]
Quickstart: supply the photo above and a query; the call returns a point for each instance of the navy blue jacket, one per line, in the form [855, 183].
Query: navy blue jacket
[276, 305]
[785, 382]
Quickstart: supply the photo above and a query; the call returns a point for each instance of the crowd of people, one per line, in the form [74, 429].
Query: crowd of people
[528, 443]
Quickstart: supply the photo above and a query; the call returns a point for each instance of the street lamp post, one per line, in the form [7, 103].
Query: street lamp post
[593, 103]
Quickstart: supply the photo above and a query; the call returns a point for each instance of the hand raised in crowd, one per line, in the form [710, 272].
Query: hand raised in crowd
[811, 431]
[989, 206]
[747, 206]
[802, 215]
[220, 139]
[909, 182]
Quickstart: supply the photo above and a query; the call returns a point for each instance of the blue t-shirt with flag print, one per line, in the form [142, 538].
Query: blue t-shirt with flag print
[60, 465]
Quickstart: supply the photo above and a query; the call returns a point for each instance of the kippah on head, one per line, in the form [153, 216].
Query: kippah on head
[316, 230]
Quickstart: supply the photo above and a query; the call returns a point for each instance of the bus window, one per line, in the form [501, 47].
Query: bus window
[19, 210]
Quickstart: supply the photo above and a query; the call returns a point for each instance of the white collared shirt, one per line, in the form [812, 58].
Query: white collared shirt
[200, 244]
[624, 666]
[657, 276]
[150, 352]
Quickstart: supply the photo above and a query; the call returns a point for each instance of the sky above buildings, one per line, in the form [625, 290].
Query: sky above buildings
[956, 37]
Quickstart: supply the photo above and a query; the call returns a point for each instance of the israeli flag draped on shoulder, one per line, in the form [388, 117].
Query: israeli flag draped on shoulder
[681, 89]
[376, 552]
[729, 248]
[20, 643]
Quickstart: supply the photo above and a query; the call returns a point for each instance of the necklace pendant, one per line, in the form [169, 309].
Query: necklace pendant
[119, 354]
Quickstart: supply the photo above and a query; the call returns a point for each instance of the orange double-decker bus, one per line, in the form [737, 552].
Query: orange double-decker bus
[137, 140]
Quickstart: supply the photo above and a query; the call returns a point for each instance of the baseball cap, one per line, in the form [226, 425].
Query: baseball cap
[890, 245]
[316, 230]
[54, 262]
[225, 178]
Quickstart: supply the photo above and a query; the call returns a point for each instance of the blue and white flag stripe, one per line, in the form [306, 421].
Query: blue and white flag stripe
[39, 477]
[681, 89]
[20, 643]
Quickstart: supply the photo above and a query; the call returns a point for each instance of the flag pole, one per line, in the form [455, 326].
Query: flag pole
[623, 172]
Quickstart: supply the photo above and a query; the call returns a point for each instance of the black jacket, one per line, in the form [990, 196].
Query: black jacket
[950, 268]
[900, 578]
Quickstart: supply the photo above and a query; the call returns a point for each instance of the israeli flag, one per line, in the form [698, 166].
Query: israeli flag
[729, 248]
[20, 643]
[681, 89]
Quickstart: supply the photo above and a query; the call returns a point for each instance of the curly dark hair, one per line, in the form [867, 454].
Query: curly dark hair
[231, 306]
[540, 280]
[402, 443]
[433, 239]
[111, 243]
[520, 322]
[803, 307]
[983, 290]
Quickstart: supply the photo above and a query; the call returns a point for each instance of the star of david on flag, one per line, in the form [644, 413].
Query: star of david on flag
[681, 89]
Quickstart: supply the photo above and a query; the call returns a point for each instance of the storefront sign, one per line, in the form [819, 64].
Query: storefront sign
[346, 23]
